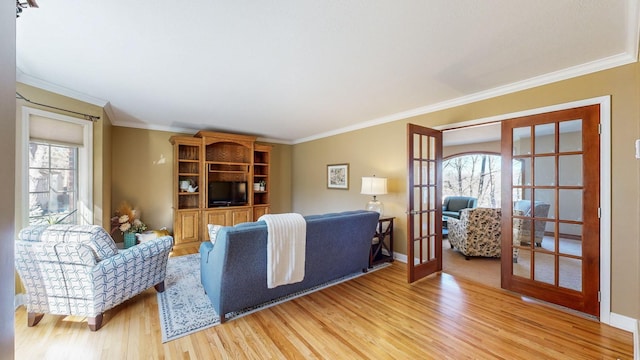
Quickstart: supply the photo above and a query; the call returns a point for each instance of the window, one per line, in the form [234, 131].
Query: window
[53, 189]
[56, 169]
[473, 174]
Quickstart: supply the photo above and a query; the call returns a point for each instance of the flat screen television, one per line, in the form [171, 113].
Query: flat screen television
[227, 193]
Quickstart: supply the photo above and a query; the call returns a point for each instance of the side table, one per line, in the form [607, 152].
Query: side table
[382, 243]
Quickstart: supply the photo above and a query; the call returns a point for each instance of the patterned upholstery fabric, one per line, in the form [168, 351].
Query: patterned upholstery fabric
[78, 270]
[477, 232]
[522, 227]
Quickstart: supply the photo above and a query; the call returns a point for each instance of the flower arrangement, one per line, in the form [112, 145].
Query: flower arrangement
[126, 221]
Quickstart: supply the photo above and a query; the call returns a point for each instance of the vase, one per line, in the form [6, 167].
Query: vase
[129, 239]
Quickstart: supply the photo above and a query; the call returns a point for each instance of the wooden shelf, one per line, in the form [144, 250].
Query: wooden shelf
[211, 156]
[228, 171]
[228, 163]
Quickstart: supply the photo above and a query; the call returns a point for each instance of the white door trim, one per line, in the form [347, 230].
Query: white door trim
[605, 185]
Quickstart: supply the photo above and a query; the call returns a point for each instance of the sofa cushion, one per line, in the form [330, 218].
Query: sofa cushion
[213, 232]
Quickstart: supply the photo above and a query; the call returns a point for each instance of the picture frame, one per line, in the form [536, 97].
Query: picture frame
[338, 176]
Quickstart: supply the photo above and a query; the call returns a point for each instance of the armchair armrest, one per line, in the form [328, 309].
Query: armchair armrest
[131, 271]
[150, 248]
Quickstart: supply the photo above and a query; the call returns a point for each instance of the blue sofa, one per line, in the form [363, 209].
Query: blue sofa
[234, 270]
[453, 204]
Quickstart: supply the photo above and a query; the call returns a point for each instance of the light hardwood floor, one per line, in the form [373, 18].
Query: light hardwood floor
[377, 316]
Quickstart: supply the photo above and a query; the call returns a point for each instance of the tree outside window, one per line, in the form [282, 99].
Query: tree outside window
[476, 175]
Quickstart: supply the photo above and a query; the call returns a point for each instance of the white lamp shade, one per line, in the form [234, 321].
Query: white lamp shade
[373, 186]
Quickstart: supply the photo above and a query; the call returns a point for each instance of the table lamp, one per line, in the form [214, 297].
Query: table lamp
[374, 186]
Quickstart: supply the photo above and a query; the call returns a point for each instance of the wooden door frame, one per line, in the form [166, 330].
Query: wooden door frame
[605, 188]
[424, 268]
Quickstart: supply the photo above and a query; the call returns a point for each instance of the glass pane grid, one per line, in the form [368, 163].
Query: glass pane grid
[551, 174]
[52, 183]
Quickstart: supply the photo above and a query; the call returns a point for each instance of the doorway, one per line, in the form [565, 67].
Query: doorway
[603, 175]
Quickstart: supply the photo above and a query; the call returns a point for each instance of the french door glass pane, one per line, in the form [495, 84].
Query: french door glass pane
[426, 146]
[545, 268]
[570, 204]
[570, 239]
[417, 198]
[416, 146]
[432, 222]
[570, 273]
[432, 248]
[545, 171]
[547, 196]
[570, 136]
[570, 170]
[522, 141]
[522, 267]
[545, 142]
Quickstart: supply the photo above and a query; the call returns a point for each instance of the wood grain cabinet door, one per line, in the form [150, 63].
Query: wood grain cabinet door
[187, 228]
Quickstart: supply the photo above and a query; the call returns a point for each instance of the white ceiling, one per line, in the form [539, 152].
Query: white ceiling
[296, 70]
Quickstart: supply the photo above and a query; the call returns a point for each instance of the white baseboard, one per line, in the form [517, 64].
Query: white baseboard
[628, 324]
[19, 300]
[400, 257]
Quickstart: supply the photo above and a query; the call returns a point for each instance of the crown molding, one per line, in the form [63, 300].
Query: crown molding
[146, 126]
[174, 129]
[591, 67]
[565, 74]
[24, 78]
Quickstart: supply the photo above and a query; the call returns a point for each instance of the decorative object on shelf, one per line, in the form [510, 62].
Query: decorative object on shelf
[374, 186]
[263, 185]
[184, 185]
[338, 176]
[188, 186]
[125, 221]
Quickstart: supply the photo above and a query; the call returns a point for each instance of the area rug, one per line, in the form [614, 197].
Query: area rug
[184, 308]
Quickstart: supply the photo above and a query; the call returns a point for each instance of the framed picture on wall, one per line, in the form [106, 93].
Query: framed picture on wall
[338, 176]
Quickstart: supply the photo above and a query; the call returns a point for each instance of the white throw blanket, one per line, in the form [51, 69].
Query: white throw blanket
[286, 244]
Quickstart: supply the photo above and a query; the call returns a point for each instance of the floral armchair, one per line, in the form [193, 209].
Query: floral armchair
[477, 232]
[78, 270]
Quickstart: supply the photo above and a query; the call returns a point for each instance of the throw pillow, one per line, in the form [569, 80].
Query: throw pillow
[213, 232]
[146, 236]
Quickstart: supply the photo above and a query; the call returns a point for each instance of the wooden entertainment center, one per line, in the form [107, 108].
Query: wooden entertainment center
[210, 158]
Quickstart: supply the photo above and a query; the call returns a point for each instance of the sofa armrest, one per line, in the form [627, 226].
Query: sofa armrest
[211, 268]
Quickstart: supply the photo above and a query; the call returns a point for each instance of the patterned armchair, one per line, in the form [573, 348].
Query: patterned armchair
[477, 232]
[77, 270]
[522, 227]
